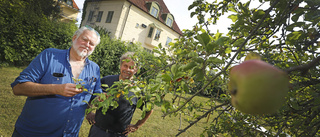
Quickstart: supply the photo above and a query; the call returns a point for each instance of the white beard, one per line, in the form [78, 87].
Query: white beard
[83, 53]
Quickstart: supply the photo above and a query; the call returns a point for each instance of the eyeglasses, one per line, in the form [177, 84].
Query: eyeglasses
[90, 28]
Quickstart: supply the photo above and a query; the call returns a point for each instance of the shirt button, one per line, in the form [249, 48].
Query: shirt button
[71, 109]
[68, 120]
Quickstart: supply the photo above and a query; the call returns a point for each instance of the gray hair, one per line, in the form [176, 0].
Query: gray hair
[129, 55]
[83, 28]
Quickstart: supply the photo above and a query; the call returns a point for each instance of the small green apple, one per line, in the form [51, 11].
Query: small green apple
[257, 87]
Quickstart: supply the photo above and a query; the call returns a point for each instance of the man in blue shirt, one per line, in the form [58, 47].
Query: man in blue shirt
[55, 106]
[116, 122]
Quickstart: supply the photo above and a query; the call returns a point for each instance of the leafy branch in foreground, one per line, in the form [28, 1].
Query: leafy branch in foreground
[283, 32]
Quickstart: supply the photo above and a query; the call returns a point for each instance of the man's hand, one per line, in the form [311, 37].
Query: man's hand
[69, 90]
[90, 117]
[130, 129]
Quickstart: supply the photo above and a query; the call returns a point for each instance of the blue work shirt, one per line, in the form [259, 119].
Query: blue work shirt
[55, 115]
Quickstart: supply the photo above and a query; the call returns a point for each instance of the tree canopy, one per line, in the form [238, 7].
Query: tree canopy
[285, 34]
[30, 26]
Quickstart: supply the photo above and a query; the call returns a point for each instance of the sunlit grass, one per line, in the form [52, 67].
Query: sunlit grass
[11, 105]
[156, 125]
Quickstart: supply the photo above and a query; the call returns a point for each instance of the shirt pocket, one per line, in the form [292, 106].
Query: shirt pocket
[54, 78]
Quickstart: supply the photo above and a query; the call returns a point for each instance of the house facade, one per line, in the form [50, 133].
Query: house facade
[69, 10]
[147, 22]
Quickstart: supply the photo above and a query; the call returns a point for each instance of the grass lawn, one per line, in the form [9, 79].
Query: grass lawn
[11, 107]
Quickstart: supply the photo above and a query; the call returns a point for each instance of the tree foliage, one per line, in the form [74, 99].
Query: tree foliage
[107, 54]
[285, 33]
[28, 27]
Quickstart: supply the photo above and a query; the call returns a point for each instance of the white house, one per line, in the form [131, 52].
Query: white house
[148, 22]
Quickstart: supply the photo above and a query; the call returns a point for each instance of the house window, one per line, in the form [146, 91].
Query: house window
[99, 16]
[154, 11]
[148, 50]
[169, 22]
[69, 2]
[168, 41]
[157, 36]
[109, 17]
[90, 15]
[150, 32]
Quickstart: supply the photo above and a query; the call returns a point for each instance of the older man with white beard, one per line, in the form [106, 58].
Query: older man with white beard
[55, 107]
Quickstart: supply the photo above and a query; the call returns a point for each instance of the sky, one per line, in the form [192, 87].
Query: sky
[180, 13]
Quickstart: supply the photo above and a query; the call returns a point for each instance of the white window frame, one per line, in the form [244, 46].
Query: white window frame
[157, 35]
[154, 11]
[168, 41]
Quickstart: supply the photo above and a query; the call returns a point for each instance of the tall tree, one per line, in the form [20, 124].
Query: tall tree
[285, 34]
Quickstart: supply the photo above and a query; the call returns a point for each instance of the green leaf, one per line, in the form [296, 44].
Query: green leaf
[210, 47]
[258, 14]
[135, 89]
[166, 77]
[85, 101]
[178, 75]
[184, 86]
[149, 106]
[78, 86]
[228, 50]
[165, 106]
[215, 60]
[193, 54]
[294, 35]
[191, 6]
[233, 17]
[239, 42]
[140, 102]
[222, 40]
[188, 66]
[192, 14]
[104, 85]
[296, 24]
[198, 60]
[204, 39]
[198, 74]
[174, 68]
[232, 8]
[297, 14]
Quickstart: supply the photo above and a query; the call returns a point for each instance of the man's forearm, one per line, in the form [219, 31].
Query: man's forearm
[34, 89]
[142, 121]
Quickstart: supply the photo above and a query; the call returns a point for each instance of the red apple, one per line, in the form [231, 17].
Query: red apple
[257, 87]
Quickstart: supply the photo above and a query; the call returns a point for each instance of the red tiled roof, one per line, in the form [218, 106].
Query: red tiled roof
[163, 10]
[75, 5]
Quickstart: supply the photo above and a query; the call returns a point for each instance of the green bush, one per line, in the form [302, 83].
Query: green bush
[107, 54]
[25, 33]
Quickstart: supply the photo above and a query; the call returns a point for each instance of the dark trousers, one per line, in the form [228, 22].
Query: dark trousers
[97, 132]
[16, 134]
